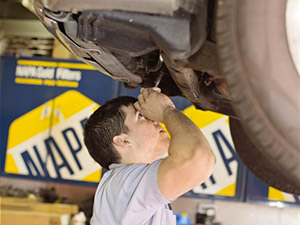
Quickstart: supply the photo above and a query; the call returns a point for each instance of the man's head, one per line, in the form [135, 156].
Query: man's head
[118, 133]
[103, 125]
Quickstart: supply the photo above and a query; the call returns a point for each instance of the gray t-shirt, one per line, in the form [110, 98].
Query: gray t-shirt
[129, 195]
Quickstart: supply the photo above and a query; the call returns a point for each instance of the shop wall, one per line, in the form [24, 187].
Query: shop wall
[44, 104]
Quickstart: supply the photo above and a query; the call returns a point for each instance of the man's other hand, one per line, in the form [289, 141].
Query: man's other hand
[152, 104]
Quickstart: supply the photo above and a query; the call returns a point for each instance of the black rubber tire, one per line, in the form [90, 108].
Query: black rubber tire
[263, 167]
[264, 84]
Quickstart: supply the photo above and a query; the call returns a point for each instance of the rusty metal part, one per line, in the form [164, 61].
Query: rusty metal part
[193, 87]
[188, 83]
[205, 60]
[221, 86]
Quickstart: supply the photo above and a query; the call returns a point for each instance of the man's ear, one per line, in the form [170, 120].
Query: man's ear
[121, 140]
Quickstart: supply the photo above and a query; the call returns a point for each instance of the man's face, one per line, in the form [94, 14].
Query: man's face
[147, 136]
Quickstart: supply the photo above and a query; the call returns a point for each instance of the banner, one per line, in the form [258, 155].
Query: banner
[47, 142]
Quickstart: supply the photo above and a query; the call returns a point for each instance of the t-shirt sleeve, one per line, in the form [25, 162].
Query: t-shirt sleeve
[147, 192]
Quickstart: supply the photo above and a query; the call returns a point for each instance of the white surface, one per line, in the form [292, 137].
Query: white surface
[293, 30]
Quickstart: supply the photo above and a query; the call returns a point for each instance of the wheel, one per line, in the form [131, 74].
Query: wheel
[260, 68]
[261, 166]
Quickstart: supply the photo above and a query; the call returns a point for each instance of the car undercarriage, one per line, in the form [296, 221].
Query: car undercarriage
[218, 54]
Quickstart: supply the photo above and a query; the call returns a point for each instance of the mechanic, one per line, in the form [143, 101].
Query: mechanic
[125, 137]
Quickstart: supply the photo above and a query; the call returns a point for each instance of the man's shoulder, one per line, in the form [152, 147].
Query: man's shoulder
[120, 173]
[136, 166]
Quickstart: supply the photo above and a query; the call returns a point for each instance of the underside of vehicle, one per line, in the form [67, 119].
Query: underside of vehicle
[233, 57]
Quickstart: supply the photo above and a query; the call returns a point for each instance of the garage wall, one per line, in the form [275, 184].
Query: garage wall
[44, 104]
[23, 97]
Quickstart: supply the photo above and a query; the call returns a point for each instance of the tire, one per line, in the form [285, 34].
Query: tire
[261, 166]
[255, 59]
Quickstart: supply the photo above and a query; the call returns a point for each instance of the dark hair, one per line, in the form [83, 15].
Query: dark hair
[105, 123]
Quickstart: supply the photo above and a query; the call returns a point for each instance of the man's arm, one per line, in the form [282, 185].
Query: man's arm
[190, 161]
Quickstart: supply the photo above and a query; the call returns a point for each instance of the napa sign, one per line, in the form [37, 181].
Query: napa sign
[47, 142]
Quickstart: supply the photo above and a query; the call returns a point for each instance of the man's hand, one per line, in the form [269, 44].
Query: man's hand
[152, 104]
